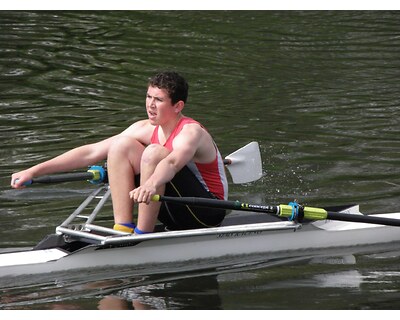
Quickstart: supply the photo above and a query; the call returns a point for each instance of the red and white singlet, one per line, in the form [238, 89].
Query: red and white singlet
[211, 175]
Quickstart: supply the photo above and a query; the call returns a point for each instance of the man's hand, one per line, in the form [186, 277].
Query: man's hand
[143, 194]
[19, 178]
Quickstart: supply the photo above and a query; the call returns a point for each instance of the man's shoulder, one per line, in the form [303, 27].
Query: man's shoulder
[145, 123]
[141, 130]
[141, 125]
[193, 132]
[190, 124]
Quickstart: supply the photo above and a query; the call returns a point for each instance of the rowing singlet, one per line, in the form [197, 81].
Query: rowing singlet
[211, 175]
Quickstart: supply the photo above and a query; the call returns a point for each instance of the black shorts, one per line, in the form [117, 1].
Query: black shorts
[182, 217]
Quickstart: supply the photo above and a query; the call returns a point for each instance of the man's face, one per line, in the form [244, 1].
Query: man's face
[159, 106]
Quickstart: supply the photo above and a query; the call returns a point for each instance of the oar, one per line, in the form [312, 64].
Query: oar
[292, 211]
[95, 174]
[244, 165]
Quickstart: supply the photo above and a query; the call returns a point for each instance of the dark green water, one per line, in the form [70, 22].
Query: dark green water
[319, 91]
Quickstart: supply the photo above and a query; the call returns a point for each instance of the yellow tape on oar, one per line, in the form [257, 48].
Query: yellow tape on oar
[96, 174]
[309, 212]
[99, 174]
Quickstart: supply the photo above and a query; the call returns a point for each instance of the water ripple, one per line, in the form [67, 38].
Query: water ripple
[317, 90]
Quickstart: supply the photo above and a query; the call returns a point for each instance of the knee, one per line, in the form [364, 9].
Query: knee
[154, 153]
[125, 146]
[119, 145]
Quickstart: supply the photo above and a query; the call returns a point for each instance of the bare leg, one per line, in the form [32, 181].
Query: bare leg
[123, 162]
[148, 213]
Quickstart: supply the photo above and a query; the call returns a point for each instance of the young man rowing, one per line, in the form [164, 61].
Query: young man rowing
[167, 153]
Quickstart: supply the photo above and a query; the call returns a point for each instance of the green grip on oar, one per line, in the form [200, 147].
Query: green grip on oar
[309, 212]
[315, 213]
[285, 211]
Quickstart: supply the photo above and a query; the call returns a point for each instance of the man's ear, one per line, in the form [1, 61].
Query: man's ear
[179, 106]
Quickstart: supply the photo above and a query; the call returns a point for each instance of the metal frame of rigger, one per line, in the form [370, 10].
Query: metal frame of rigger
[73, 230]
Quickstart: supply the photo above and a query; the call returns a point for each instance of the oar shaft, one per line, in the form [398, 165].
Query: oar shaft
[78, 176]
[216, 203]
[282, 210]
[95, 174]
[363, 219]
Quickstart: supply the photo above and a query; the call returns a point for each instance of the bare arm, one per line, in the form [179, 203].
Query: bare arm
[79, 157]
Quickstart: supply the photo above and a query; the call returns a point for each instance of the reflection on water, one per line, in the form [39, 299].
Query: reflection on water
[321, 284]
[317, 90]
[203, 293]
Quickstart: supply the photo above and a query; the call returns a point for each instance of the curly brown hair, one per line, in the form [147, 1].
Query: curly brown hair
[176, 86]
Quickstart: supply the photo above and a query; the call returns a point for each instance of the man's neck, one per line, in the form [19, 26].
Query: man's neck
[170, 126]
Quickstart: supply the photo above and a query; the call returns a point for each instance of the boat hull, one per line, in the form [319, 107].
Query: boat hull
[211, 248]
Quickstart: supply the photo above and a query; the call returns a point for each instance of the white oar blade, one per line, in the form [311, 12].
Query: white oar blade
[246, 165]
